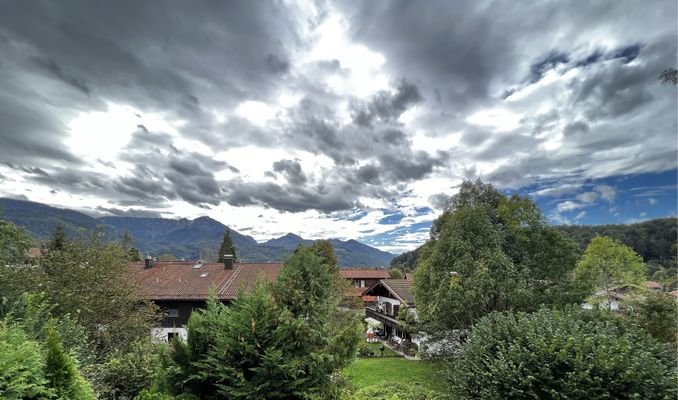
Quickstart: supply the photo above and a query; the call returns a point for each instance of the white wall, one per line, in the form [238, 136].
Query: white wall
[159, 335]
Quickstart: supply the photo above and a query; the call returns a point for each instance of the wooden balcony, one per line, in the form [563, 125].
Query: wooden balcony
[381, 317]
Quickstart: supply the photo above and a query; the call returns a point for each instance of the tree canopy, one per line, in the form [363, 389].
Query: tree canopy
[491, 252]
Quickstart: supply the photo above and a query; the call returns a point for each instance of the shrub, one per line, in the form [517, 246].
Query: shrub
[22, 366]
[571, 354]
[365, 350]
[126, 374]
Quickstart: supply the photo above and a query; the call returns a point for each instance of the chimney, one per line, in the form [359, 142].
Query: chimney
[149, 262]
[228, 261]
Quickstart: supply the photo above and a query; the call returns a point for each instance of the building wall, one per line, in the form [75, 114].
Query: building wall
[162, 335]
[184, 308]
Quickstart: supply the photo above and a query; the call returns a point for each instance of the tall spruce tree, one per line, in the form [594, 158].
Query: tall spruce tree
[227, 247]
[281, 341]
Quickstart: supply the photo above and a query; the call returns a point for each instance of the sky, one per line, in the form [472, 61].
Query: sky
[346, 119]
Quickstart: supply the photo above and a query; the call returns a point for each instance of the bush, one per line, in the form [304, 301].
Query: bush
[364, 350]
[126, 374]
[22, 365]
[571, 354]
[392, 391]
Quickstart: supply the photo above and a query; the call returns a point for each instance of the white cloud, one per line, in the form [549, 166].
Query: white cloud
[652, 201]
[580, 215]
[569, 206]
[606, 192]
[588, 197]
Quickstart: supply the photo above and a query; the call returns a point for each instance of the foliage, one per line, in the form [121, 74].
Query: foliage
[392, 391]
[325, 250]
[657, 314]
[407, 318]
[407, 260]
[112, 299]
[14, 244]
[608, 264]
[651, 239]
[125, 374]
[282, 342]
[22, 366]
[227, 247]
[61, 371]
[364, 350]
[396, 273]
[569, 354]
[489, 252]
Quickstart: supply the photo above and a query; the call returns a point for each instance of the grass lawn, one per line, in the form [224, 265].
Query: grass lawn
[387, 351]
[371, 371]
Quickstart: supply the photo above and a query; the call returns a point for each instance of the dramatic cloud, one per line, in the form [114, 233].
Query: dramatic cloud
[343, 119]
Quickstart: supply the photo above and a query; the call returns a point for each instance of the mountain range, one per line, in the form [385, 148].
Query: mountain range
[182, 238]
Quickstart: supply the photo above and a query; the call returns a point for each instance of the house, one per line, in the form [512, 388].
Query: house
[179, 287]
[361, 279]
[615, 297]
[391, 295]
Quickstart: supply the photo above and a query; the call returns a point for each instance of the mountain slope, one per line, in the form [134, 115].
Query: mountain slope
[182, 238]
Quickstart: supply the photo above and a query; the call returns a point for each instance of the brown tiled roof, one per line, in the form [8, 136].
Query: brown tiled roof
[351, 273]
[178, 280]
[674, 293]
[401, 288]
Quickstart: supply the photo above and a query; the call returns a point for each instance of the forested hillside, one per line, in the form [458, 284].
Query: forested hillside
[654, 240]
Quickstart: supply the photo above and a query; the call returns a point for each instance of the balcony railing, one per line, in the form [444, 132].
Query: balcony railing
[381, 317]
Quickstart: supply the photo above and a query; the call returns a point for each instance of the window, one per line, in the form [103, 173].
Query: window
[171, 335]
[173, 313]
[356, 282]
[388, 309]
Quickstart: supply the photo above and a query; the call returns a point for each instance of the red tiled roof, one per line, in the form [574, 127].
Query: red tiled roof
[178, 280]
[674, 293]
[350, 273]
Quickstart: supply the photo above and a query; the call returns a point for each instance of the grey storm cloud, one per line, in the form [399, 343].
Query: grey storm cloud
[292, 170]
[188, 62]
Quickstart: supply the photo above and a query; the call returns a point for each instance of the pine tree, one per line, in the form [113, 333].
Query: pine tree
[61, 371]
[325, 250]
[227, 247]
[58, 239]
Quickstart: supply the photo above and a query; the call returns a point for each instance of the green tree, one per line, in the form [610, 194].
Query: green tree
[396, 273]
[22, 366]
[112, 310]
[566, 354]
[657, 314]
[489, 252]
[280, 341]
[14, 244]
[227, 247]
[58, 238]
[61, 371]
[125, 374]
[325, 250]
[127, 243]
[608, 264]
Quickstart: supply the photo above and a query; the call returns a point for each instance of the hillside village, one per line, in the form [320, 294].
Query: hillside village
[388, 318]
[338, 200]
